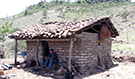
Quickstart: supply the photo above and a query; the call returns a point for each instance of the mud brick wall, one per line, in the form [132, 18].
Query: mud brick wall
[85, 49]
[87, 45]
[32, 50]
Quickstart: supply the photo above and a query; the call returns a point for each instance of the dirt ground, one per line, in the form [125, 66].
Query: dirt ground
[123, 70]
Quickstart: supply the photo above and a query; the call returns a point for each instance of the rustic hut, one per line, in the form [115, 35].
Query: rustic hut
[87, 41]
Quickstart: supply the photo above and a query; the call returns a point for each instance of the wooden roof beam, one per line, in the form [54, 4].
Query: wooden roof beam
[48, 39]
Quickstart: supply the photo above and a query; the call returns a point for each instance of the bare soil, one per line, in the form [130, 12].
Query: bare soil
[123, 70]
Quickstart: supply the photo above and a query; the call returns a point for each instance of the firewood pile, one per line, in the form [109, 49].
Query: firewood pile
[124, 58]
[121, 56]
[64, 66]
[6, 66]
[59, 30]
[104, 62]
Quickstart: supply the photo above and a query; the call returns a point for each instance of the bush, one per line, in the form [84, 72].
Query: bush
[14, 29]
[21, 46]
[124, 14]
[89, 4]
[44, 13]
[75, 19]
[63, 15]
[41, 21]
[25, 13]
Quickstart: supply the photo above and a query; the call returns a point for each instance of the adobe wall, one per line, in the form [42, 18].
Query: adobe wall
[87, 46]
[32, 50]
[85, 49]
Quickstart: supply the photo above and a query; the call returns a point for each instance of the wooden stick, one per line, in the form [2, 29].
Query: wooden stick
[109, 27]
[101, 60]
[70, 51]
[76, 71]
[15, 51]
[37, 53]
[95, 29]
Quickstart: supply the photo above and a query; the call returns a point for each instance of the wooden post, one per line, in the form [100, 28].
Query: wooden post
[37, 53]
[15, 51]
[70, 52]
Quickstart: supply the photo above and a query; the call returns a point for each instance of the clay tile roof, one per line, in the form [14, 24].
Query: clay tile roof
[60, 29]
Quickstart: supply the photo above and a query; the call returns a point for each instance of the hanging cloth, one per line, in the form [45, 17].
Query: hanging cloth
[104, 33]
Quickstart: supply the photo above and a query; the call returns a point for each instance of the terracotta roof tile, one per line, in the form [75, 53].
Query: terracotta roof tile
[56, 29]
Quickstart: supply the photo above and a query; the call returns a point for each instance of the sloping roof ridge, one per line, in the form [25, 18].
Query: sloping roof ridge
[55, 29]
[92, 18]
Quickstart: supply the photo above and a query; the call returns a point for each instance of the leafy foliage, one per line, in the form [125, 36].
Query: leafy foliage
[41, 21]
[43, 5]
[25, 13]
[14, 30]
[21, 46]
[124, 14]
[44, 13]
[72, 11]
[4, 30]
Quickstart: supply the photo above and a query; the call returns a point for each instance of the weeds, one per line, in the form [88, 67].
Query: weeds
[124, 14]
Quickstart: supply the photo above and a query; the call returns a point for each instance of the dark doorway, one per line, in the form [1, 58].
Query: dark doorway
[45, 47]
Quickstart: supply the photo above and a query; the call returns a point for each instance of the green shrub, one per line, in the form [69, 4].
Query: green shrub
[41, 21]
[21, 46]
[63, 15]
[25, 13]
[75, 19]
[4, 30]
[124, 14]
[89, 4]
[14, 29]
[45, 13]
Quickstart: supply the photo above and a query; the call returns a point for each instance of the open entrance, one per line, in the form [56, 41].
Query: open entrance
[45, 47]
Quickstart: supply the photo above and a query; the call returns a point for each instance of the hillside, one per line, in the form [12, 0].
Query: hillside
[122, 16]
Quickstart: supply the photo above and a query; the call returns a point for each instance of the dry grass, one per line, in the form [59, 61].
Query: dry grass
[125, 28]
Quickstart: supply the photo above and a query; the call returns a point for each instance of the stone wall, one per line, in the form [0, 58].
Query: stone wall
[85, 49]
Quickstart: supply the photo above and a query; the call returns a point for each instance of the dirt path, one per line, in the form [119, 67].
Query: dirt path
[124, 70]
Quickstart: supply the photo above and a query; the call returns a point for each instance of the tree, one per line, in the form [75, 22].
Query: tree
[45, 1]
[124, 14]
[44, 13]
[79, 1]
[25, 13]
[62, 1]
[4, 30]
[69, 1]
[56, 1]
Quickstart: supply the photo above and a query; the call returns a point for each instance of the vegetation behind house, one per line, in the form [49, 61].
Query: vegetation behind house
[121, 12]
